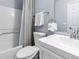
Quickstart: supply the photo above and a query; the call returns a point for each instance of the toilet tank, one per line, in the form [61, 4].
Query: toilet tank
[38, 35]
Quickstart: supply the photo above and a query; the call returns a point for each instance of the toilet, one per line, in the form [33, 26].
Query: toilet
[30, 52]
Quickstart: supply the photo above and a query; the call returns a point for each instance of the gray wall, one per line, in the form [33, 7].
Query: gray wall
[58, 12]
[48, 6]
[60, 8]
[17, 4]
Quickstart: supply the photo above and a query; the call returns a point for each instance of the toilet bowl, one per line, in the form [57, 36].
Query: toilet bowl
[30, 52]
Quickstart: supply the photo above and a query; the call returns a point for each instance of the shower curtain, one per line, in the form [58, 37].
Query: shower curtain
[26, 23]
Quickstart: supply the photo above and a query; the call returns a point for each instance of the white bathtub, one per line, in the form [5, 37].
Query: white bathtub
[10, 53]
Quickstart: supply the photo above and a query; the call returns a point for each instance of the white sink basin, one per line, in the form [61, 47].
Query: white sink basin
[62, 42]
[66, 40]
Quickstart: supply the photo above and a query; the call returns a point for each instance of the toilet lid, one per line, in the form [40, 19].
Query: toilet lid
[26, 52]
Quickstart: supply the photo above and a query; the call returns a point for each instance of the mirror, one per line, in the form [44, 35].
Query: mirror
[67, 14]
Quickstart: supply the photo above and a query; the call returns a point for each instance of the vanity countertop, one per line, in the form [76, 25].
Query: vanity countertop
[60, 44]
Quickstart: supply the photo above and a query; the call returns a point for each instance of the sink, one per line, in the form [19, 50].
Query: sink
[61, 43]
[63, 40]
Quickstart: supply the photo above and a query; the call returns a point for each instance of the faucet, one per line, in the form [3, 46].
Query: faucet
[75, 34]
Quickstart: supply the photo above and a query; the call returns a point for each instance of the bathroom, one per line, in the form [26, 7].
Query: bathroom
[39, 29]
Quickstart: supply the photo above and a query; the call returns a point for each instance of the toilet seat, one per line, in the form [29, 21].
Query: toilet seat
[35, 54]
[27, 52]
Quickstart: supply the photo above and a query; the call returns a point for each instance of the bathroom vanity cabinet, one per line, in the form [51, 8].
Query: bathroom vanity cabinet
[47, 54]
[58, 47]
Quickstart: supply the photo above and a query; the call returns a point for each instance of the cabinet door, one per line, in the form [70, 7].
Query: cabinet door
[47, 54]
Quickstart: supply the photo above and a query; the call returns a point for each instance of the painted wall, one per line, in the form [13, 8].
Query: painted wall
[60, 13]
[48, 6]
[16, 4]
[45, 5]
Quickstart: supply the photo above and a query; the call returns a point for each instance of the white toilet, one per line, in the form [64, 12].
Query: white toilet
[30, 52]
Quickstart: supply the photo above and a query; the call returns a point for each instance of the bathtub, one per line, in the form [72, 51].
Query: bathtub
[10, 53]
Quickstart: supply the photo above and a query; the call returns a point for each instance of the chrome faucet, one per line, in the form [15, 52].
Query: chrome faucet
[75, 34]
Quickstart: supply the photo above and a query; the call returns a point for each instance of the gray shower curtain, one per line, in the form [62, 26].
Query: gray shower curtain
[26, 23]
